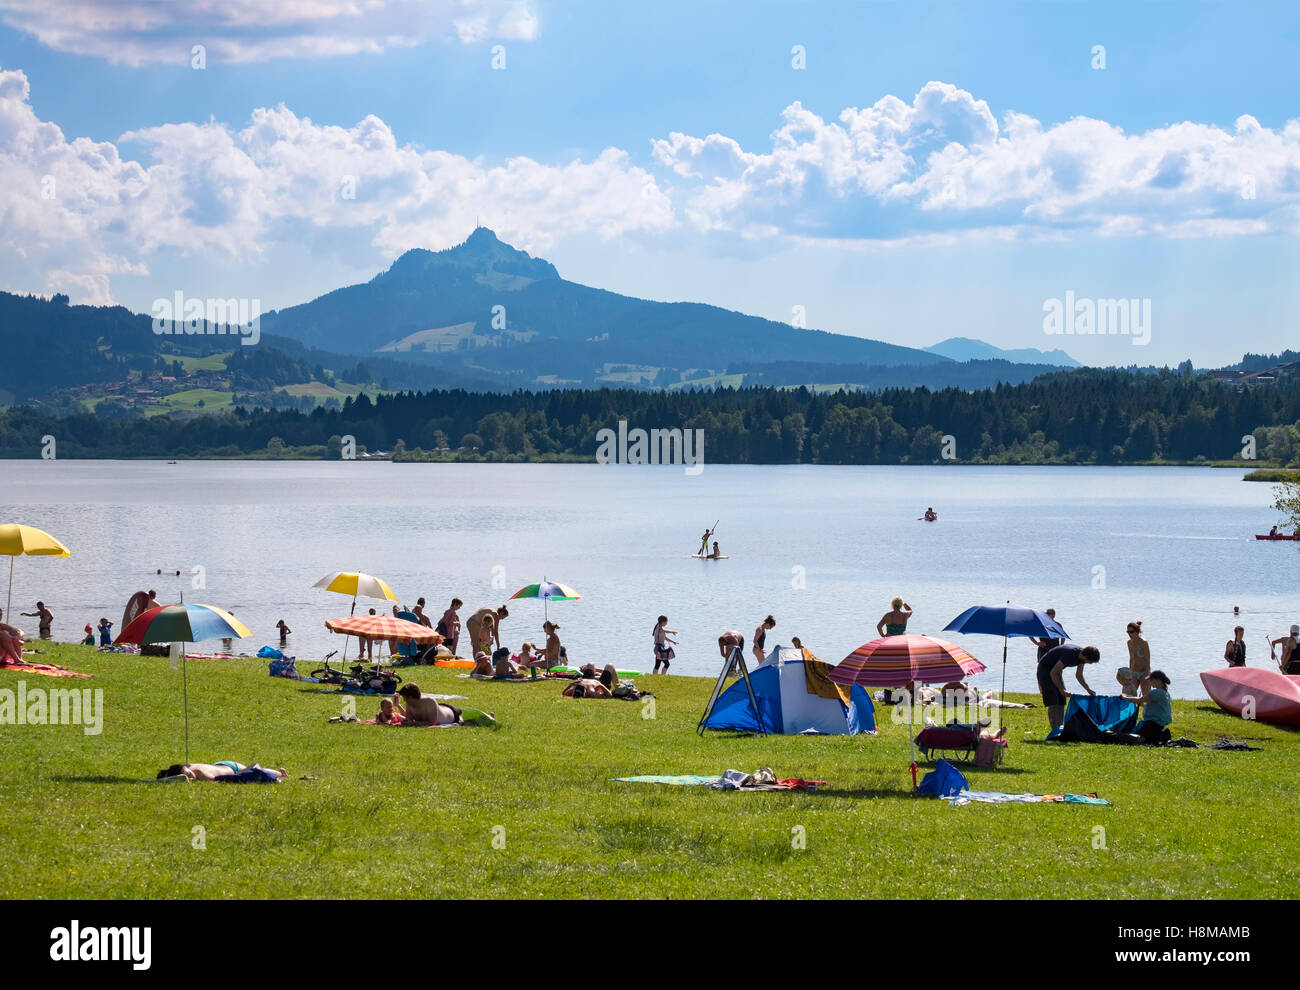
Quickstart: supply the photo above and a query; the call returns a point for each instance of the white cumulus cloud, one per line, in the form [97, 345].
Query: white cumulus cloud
[75, 212]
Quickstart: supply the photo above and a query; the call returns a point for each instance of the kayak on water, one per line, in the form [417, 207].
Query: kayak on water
[1275, 536]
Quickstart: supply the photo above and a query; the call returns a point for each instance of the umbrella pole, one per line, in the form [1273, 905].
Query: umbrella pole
[911, 743]
[1003, 692]
[185, 692]
[9, 602]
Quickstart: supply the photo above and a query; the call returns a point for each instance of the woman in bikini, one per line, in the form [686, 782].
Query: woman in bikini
[894, 622]
[760, 638]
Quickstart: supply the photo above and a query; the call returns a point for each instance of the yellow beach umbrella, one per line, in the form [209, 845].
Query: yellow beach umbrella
[357, 585]
[16, 539]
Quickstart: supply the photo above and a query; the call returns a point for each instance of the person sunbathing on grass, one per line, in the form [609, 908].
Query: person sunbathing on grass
[483, 665]
[210, 771]
[421, 710]
[11, 642]
[386, 712]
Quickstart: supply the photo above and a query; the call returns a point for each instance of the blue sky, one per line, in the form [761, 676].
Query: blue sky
[934, 170]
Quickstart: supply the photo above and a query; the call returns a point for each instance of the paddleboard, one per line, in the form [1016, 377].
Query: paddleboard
[1274, 696]
[709, 556]
[134, 606]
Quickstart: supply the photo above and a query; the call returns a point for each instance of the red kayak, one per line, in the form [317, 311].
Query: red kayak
[1279, 536]
[1274, 696]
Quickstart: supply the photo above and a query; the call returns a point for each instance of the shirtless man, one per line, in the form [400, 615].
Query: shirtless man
[46, 619]
[421, 710]
[704, 542]
[1287, 664]
[587, 687]
[485, 629]
[419, 612]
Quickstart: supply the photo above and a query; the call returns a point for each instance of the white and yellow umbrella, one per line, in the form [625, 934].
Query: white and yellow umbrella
[16, 539]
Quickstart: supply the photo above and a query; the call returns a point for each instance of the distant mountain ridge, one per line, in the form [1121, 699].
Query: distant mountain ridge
[528, 324]
[970, 349]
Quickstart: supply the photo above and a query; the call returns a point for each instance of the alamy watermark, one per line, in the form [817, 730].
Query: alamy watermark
[56, 706]
[640, 446]
[1071, 315]
[237, 317]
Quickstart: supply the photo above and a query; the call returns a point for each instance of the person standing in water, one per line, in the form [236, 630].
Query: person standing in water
[45, 617]
[1235, 651]
[284, 631]
[760, 639]
[1290, 662]
[894, 622]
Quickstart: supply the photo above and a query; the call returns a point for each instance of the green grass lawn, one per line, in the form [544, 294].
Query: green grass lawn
[212, 399]
[205, 362]
[415, 812]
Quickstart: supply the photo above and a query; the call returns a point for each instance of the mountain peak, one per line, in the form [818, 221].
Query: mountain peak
[482, 255]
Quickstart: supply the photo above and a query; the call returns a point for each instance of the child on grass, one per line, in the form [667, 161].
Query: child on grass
[1159, 710]
[105, 632]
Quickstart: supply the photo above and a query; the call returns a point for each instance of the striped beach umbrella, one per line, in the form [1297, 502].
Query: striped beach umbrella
[547, 591]
[183, 624]
[895, 661]
[908, 660]
[382, 627]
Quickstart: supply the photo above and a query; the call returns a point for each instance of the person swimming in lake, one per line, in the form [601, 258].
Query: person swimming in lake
[894, 622]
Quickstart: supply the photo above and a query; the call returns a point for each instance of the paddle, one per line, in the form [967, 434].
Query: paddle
[1273, 655]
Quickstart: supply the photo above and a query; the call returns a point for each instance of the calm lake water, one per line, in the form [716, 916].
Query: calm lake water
[821, 548]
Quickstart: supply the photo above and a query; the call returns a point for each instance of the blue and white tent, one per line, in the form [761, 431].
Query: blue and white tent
[785, 704]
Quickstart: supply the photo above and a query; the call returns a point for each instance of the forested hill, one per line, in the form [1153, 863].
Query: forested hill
[1071, 417]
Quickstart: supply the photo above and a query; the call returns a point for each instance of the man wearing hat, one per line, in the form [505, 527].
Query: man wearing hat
[1290, 662]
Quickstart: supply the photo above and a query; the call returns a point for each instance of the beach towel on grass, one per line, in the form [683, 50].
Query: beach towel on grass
[48, 669]
[997, 797]
[251, 775]
[732, 780]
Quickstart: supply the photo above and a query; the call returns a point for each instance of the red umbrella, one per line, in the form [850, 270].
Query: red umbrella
[910, 659]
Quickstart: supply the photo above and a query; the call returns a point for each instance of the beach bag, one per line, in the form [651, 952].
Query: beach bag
[270, 653]
[988, 752]
[945, 780]
[283, 667]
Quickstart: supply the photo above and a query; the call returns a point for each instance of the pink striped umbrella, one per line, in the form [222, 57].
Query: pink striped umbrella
[897, 661]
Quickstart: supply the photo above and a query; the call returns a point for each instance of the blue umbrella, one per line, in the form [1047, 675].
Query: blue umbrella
[1006, 621]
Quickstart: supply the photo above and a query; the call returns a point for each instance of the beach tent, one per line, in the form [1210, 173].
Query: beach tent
[785, 703]
[1087, 718]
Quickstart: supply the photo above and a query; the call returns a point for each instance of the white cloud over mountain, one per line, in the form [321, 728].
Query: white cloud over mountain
[942, 163]
[143, 32]
[76, 213]
[86, 209]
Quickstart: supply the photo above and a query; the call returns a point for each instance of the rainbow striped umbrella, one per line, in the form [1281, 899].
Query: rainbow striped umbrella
[547, 591]
[183, 624]
[894, 661]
